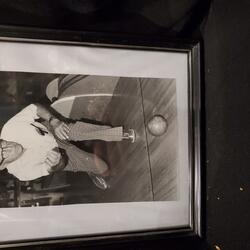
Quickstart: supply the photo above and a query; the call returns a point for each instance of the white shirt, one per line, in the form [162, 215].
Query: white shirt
[31, 164]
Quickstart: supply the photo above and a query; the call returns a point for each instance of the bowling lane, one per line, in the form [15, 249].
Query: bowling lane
[159, 100]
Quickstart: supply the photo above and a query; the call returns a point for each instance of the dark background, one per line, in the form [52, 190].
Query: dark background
[223, 27]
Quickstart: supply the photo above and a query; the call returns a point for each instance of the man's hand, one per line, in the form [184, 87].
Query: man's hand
[61, 129]
[62, 162]
[53, 158]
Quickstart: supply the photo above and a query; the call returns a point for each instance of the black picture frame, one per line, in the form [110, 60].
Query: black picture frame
[142, 43]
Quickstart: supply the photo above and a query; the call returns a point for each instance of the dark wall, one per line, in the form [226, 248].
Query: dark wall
[227, 88]
[123, 16]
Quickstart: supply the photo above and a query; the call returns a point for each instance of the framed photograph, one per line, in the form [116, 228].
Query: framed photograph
[100, 139]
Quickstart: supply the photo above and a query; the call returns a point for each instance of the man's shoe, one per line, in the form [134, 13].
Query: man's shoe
[98, 181]
[130, 135]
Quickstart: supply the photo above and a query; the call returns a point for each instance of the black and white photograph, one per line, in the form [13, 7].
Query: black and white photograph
[68, 139]
[96, 141]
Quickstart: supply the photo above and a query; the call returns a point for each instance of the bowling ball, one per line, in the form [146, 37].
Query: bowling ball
[157, 125]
